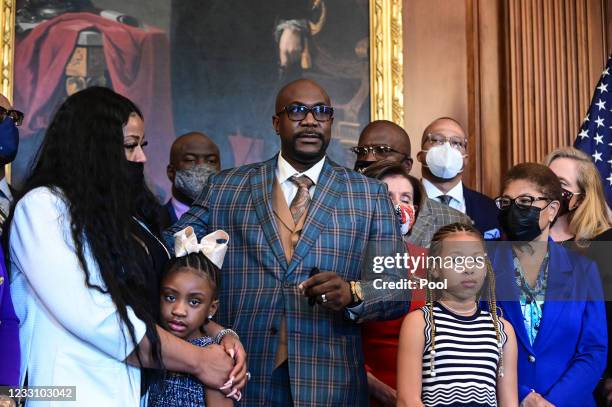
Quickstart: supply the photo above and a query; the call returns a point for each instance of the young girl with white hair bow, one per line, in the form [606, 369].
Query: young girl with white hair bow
[188, 300]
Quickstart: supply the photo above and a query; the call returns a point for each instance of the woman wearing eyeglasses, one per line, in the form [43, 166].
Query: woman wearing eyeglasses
[583, 212]
[551, 295]
[583, 220]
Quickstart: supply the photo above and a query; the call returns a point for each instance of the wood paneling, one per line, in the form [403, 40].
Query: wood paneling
[435, 65]
[519, 74]
[556, 53]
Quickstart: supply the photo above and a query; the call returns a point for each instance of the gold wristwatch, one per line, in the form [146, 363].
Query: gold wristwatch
[356, 292]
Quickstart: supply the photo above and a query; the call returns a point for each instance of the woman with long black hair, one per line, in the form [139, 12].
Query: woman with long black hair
[83, 263]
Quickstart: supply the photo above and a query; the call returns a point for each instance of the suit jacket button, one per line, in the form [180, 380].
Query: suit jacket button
[531, 358]
[273, 330]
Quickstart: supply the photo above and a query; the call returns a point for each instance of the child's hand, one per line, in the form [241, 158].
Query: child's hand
[233, 347]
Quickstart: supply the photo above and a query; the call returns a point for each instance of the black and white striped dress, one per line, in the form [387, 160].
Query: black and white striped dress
[466, 359]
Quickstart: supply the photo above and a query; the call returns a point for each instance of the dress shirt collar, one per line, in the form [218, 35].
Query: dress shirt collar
[455, 192]
[284, 170]
[178, 207]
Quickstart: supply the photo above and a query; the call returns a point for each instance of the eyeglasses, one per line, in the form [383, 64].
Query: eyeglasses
[379, 151]
[15, 115]
[565, 194]
[456, 142]
[297, 112]
[523, 201]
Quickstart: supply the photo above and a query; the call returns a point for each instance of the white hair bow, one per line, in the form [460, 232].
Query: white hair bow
[186, 242]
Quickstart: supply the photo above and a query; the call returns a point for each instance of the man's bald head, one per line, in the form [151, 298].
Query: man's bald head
[285, 95]
[385, 133]
[188, 151]
[304, 138]
[443, 125]
[194, 147]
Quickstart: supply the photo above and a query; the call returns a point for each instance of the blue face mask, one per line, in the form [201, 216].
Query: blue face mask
[9, 140]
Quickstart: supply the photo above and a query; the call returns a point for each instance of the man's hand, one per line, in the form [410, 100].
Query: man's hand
[534, 399]
[233, 347]
[214, 367]
[330, 290]
[384, 394]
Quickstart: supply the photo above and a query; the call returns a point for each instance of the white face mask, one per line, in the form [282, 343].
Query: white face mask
[444, 161]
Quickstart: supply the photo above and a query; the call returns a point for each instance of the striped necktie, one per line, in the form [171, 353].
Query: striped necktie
[300, 203]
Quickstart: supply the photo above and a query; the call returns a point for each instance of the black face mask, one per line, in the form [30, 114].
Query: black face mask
[135, 172]
[361, 165]
[520, 225]
[564, 208]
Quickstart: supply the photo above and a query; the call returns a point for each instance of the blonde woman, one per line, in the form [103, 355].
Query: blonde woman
[584, 218]
[583, 214]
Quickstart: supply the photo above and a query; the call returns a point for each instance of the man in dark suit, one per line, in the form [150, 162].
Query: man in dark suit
[385, 140]
[443, 157]
[193, 158]
[295, 283]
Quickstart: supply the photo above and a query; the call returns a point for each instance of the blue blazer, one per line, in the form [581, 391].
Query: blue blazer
[568, 357]
[9, 332]
[483, 212]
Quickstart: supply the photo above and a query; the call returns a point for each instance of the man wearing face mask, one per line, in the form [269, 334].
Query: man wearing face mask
[193, 158]
[9, 143]
[382, 140]
[443, 157]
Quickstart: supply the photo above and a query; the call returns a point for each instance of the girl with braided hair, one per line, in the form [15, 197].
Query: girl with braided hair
[466, 354]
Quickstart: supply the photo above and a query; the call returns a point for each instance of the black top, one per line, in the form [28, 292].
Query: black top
[599, 251]
[152, 258]
[155, 254]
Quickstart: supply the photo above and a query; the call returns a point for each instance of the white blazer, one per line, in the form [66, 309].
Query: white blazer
[70, 335]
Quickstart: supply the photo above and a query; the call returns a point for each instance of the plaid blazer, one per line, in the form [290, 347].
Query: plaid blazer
[349, 220]
[431, 217]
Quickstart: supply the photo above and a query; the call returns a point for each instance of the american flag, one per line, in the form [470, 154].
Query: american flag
[595, 137]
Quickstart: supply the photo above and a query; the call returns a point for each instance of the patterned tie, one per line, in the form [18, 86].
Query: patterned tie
[445, 199]
[300, 203]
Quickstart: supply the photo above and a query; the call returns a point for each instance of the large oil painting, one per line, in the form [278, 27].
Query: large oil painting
[212, 66]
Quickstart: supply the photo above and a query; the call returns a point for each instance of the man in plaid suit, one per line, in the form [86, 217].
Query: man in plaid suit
[294, 285]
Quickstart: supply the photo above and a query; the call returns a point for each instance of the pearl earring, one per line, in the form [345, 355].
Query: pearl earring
[210, 317]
